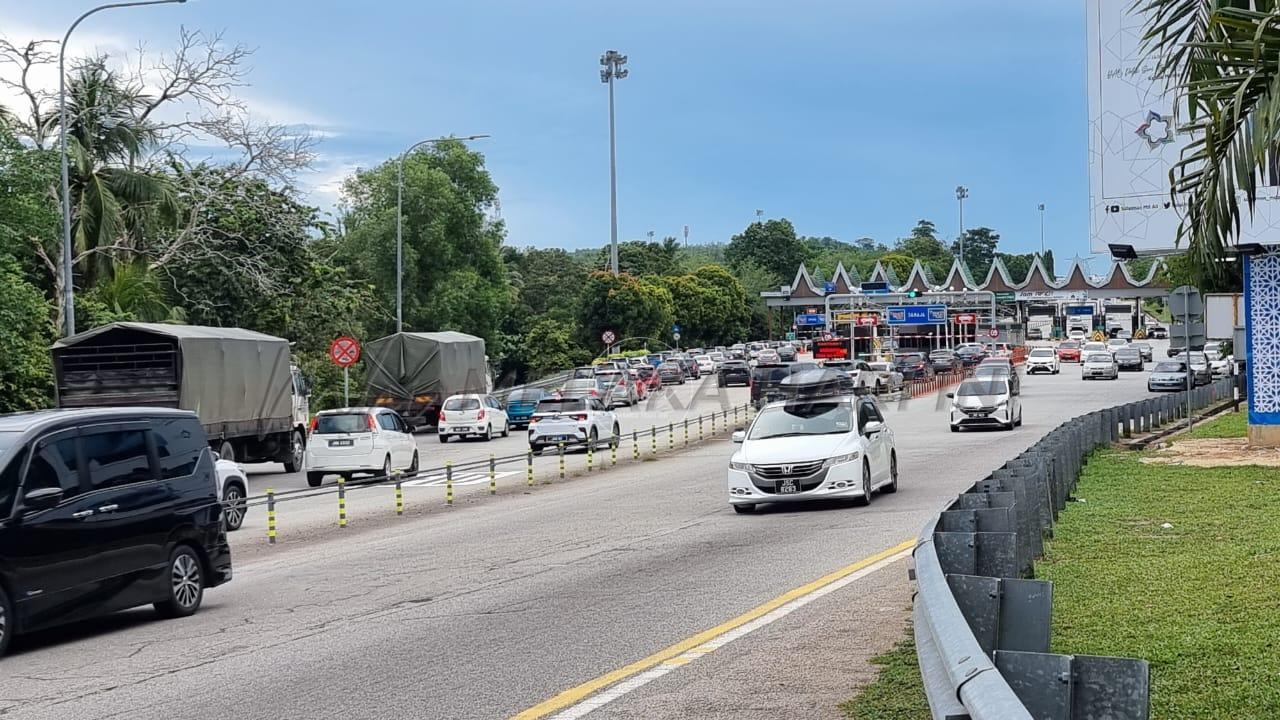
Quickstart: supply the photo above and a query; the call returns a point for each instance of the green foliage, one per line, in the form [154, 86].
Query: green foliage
[692, 257]
[923, 245]
[898, 691]
[979, 250]
[135, 292]
[29, 215]
[629, 306]
[1017, 265]
[710, 306]
[641, 258]
[1227, 425]
[772, 245]
[900, 263]
[1190, 269]
[26, 331]
[546, 282]
[549, 346]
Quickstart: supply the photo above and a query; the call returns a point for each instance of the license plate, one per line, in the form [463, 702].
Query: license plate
[341, 443]
[788, 487]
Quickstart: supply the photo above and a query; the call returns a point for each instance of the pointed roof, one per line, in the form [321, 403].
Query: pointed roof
[920, 279]
[844, 283]
[1038, 279]
[1076, 279]
[998, 277]
[802, 286]
[959, 277]
[880, 273]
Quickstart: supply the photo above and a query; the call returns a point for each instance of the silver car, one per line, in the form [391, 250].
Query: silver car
[1168, 375]
[1200, 371]
[1099, 364]
[985, 402]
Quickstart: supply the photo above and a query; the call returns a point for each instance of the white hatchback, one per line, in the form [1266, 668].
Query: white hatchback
[365, 440]
[1043, 360]
[480, 415]
[706, 365]
[233, 488]
[829, 448]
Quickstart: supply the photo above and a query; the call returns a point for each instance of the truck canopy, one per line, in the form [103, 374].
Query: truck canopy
[228, 376]
[406, 366]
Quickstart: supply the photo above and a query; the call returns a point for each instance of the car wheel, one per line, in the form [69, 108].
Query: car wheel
[297, 446]
[443, 438]
[386, 468]
[488, 433]
[227, 451]
[233, 506]
[506, 428]
[6, 621]
[866, 484]
[744, 509]
[314, 479]
[186, 584]
[1019, 421]
[892, 487]
[413, 466]
[593, 440]
[616, 440]
[879, 387]
[955, 428]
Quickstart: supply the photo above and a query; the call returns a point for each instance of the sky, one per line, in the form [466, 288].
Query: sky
[851, 118]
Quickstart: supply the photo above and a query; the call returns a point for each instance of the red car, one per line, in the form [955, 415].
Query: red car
[649, 378]
[1069, 351]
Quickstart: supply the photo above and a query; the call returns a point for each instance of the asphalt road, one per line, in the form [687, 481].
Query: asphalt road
[487, 608]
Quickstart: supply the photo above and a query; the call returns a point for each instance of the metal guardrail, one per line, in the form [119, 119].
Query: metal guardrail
[982, 625]
[548, 382]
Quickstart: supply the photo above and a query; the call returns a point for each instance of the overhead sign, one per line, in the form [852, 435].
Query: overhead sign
[811, 319]
[1007, 296]
[916, 315]
[830, 350]
[868, 321]
[608, 337]
[828, 287]
[1185, 301]
[1136, 134]
[1079, 309]
[876, 287]
[966, 319]
[344, 351]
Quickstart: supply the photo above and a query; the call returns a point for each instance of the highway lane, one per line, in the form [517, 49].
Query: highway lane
[484, 610]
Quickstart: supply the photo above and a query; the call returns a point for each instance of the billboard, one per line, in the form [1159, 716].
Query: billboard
[811, 319]
[1223, 313]
[916, 315]
[1135, 138]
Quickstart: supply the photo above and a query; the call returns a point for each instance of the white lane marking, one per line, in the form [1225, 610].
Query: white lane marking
[462, 478]
[607, 696]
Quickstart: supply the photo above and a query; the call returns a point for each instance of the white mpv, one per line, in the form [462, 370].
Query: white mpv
[366, 440]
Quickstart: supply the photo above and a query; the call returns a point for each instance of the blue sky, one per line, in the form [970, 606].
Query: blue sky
[851, 118]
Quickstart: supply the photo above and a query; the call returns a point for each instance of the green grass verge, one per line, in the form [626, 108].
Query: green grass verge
[897, 694]
[1159, 310]
[1228, 425]
[1200, 600]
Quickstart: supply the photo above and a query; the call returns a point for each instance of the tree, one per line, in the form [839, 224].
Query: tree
[26, 330]
[710, 306]
[28, 208]
[626, 305]
[1017, 265]
[979, 249]
[547, 280]
[771, 244]
[901, 264]
[1047, 261]
[641, 258]
[549, 346]
[923, 245]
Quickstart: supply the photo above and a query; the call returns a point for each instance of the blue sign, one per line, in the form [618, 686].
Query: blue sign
[828, 287]
[675, 328]
[877, 287]
[811, 319]
[916, 315]
[1079, 309]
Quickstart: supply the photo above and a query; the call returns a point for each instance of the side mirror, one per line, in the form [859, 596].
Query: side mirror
[42, 499]
[872, 427]
[951, 395]
[216, 455]
[739, 435]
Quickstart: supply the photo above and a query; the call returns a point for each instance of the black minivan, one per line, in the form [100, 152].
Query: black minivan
[106, 509]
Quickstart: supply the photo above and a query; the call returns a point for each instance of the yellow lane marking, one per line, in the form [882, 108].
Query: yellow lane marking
[574, 695]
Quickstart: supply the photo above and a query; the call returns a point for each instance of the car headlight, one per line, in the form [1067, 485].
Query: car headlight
[1002, 403]
[841, 459]
[736, 465]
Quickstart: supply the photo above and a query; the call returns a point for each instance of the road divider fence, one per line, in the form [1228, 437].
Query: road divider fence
[982, 621]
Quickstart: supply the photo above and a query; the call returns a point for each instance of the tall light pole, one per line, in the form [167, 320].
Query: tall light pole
[962, 192]
[1041, 230]
[68, 279]
[400, 220]
[611, 69]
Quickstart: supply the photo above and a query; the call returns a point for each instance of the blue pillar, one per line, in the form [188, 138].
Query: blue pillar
[1262, 332]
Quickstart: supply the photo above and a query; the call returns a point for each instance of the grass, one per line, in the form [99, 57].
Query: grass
[1227, 425]
[1199, 600]
[1159, 310]
[897, 694]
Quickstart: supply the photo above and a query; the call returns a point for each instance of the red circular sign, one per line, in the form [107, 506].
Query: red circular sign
[344, 352]
[993, 333]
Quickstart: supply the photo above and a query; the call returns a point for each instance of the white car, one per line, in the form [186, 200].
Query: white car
[1089, 347]
[768, 356]
[584, 421]
[718, 358]
[233, 488]
[1076, 334]
[816, 450]
[1043, 359]
[366, 440]
[864, 378]
[1116, 343]
[706, 365]
[888, 379]
[1099, 364]
[474, 414]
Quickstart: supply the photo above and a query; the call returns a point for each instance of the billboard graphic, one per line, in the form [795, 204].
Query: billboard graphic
[916, 315]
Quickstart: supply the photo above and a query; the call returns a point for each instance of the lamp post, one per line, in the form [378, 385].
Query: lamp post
[68, 280]
[962, 192]
[400, 220]
[611, 63]
[1041, 230]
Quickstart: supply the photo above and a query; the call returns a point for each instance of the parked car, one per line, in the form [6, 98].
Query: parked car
[734, 372]
[985, 402]
[105, 509]
[583, 421]
[1042, 359]
[1128, 358]
[233, 488]
[1099, 364]
[944, 361]
[520, 405]
[1144, 348]
[473, 414]
[366, 440]
[1069, 351]
[913, 366]
[888, 379]
[671, 373]
[1200, 371]
[813, 450]
[1169, 375]
[787, 353]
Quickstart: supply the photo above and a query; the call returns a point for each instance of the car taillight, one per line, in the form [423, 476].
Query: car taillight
[534, 420]
[373, 424]
[480, 415]
[315, 423]
[442, 416]
[580, 417]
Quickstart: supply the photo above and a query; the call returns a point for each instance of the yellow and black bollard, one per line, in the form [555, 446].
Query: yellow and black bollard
[635, 445]
[271, 516]
[561, 461]
[735, 414]
[590, 458]
[613, 452]
[448, 482]
[528, 468]
[686, 432]
[699, 428]
[671, 436]
[653, 439]
[342, 502]
[493, 475]
[399, 493]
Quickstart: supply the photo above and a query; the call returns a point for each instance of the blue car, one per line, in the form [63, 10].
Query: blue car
[521, 403]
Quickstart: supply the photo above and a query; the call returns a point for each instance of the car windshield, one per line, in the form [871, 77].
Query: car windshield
[882, 366]
[562, 405]
[580, 385]
[1098, 358]
[524, 396]
[940, 354]
[734, 364]
[1069, 345]
[770, 374]
[462, 403]
[1170, 367]
[909, 359]
[332, 423]
[973, 388]
[796, 419]
[1042, 352]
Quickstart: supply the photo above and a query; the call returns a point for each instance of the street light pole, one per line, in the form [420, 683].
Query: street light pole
[612, 62]
[400, 220]
[962, 192]
[68, 279]
[1042, 230]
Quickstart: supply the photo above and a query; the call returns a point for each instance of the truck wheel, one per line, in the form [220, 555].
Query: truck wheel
[296, 449]
[314, 479]
[227, 451]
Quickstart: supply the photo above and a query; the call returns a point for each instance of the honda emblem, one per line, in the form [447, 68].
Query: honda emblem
[786, 469]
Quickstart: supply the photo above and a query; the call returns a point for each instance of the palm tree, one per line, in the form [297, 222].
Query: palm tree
[112, 197]
[136, 291]
[1221, 56]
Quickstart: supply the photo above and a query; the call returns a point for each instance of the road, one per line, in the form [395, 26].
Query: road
[492, 607]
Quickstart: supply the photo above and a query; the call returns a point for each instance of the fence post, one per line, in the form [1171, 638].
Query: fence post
[448, 482]
[271, 516]
[653, 439]
[686, 432]
[399, 493]
[613, 452]
[493, 475]
[528, 468]
[699, 428]
[561, 461]
[342, 502]
[635, 445]
[590, 458]
[1126, 422]
[735, 414]
[671, 436]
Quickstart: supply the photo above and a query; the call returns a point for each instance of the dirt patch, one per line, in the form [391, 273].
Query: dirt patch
[1214, 452]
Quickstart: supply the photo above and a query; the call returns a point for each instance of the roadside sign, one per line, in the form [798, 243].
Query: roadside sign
[875, 343]
[811, 319]
[1006, 297]
[1185, 300]
[791, 336]
[675, 335]
[830, 350]
[608, 337]
[675, 328]
[876, 287]
[1079, 309]
[344, 351]
[868, 321]
[828, 287]
[993, 333]
[916, 315]
[966, 319]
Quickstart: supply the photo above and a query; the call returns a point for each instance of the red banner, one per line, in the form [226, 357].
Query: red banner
[966, 319]
[831, 350]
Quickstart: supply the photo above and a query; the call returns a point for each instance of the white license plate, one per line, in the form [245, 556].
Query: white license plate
[341, 443]
[788, 487]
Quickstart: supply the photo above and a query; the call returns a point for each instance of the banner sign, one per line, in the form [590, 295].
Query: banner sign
[916, 314]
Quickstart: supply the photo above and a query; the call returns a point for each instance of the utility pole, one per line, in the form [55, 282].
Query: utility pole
[1042, 230]
[962, 192]
[686, 236]
[611, 63]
